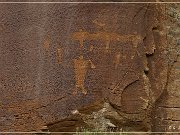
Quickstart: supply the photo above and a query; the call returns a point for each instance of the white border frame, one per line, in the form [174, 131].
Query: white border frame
[64, 2]
[89, 3]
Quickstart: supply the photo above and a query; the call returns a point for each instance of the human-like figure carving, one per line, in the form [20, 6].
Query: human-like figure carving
[81, 66]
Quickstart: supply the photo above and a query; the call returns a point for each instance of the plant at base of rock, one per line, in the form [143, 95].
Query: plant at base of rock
[85, 131]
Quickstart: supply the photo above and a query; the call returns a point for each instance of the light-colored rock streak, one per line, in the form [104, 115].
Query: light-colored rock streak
[117, 59]
[59, 55]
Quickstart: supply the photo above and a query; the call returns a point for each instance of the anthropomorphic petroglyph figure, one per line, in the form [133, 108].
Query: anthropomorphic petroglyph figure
[81, 66]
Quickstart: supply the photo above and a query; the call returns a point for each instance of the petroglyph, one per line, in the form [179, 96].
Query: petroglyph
[117, 59]
[1, 27]
[81, 66]
[46, 44]
[135, 41]
[117, 88]
[59, 55]
[80, 36]
[107, 37]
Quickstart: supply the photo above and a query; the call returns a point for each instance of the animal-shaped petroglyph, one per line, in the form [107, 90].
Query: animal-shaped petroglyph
[107, 37]
[81, 66]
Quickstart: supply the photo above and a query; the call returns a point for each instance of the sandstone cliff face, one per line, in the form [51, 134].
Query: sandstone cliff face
[167, 107]
[71, 66]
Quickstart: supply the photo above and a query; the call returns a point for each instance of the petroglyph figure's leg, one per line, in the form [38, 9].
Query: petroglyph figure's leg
[117, 59]
[80, 66]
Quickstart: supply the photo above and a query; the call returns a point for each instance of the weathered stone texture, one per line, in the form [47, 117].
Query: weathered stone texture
[104, 66]
[168, 107]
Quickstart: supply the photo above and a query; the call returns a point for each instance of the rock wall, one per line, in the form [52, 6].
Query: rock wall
[167, 113]
[106, 66]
